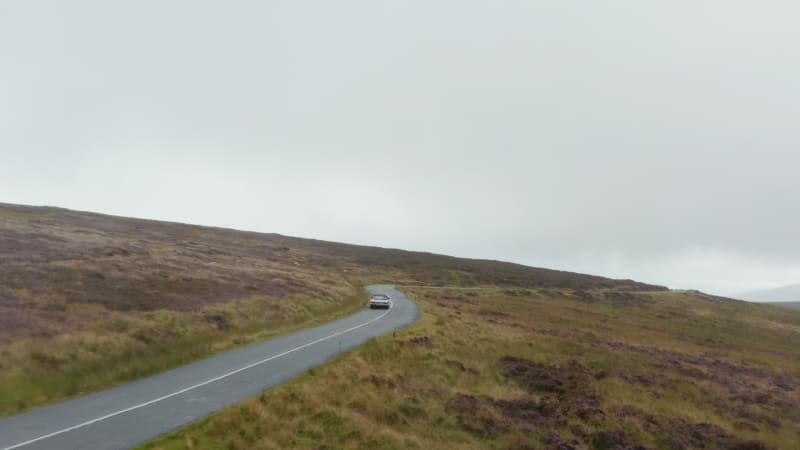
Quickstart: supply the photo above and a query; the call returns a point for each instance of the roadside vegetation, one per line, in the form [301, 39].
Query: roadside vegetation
[88, 301]
[541, 368]
[123, 347]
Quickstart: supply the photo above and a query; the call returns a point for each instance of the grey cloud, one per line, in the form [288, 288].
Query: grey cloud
[647, 140]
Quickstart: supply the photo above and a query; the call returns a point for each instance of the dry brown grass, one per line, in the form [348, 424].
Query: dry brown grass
[529, 368]
[122, 346]
[88, 301]
[548, 360]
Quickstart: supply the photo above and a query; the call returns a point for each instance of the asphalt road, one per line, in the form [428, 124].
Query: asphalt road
[137, 412]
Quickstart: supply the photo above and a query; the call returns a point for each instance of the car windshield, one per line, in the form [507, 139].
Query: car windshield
[380, 297]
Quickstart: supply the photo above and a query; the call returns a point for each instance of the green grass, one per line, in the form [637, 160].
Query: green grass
[124, 347]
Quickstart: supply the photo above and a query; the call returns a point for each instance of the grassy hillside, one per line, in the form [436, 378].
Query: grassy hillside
[541, 368]
[441, 270]
[791, 305]
[88, 300]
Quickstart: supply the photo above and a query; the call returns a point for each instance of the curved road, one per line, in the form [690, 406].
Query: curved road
[139, 411]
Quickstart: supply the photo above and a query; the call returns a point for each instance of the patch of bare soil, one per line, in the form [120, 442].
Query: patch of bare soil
[423, 341]
[537, 377]
[461, 367]
[477, 416]
[491, 312]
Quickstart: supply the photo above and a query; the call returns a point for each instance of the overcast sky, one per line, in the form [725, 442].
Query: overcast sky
[658, 141]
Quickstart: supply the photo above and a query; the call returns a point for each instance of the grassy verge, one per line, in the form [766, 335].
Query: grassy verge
[122, 346]
[88, 301]
[527, 368]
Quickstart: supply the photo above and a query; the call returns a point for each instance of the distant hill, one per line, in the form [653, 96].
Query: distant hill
[790, 293]
[792, 305]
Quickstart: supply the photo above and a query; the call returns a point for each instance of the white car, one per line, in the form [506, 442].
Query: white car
[380, 301]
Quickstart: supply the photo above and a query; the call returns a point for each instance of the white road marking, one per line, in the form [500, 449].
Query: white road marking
[204, 383]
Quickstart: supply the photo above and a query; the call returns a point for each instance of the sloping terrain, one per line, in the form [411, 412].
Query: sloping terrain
[541, 368]
[89, 300]
[546, 359]
[791, 305]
